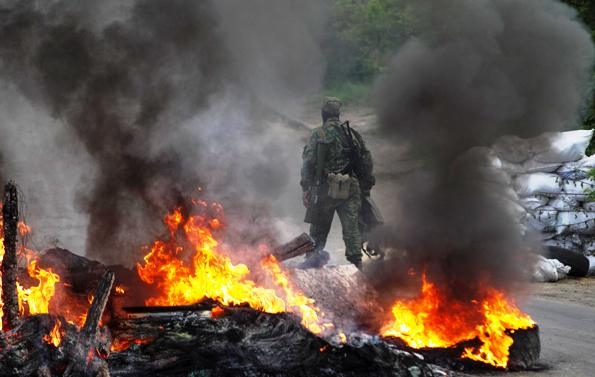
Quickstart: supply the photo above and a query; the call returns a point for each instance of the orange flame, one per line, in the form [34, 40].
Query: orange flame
[55, 336]
[433, 320]
[295, 299]
[187, 275]
[35, 299]
[217, 311]
[120, 344]
[120, 289]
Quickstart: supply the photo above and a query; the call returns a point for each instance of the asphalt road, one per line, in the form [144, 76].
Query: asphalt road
[567, 332]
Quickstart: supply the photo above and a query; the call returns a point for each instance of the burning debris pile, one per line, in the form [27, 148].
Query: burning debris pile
[155, 86]
[190, 307]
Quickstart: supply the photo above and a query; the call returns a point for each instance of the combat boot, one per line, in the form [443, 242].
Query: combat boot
[315, 259]
[357, 262]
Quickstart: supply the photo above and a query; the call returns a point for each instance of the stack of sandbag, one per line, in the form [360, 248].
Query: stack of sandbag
[549, 174]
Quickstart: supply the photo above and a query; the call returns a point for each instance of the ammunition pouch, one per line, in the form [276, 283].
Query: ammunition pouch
[339, 186]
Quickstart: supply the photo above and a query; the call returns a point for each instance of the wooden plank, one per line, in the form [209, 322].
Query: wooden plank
[300, 245]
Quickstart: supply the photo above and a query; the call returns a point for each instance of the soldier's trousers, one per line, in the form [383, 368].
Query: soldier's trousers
[348, 211]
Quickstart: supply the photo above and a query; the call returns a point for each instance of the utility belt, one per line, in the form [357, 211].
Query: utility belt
[340, 185]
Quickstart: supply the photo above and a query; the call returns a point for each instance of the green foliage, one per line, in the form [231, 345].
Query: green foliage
[363, 35]
[590, 192]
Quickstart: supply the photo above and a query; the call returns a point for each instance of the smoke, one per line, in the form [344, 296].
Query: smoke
[159, 98]
[478, 69]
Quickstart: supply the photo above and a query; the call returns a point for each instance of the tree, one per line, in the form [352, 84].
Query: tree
[363, 36]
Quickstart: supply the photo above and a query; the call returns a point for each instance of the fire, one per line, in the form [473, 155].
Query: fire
[120, 344]
[55, 336]
[191, 269]
[120, 290]
[34, 299]
[433, 320]
[207, 274]
[37, 298]
[217, 311]
[295, 299]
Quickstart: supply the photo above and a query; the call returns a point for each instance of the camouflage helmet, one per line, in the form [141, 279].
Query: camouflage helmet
[331, 106]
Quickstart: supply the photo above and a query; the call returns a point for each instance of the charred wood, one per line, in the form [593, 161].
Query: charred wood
[24, 352]
[91, 326]
[210, 339]
[10, 215]
[206, 304]
[245, 342]
[83, 360]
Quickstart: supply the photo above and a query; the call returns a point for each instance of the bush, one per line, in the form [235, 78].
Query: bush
[363, 35]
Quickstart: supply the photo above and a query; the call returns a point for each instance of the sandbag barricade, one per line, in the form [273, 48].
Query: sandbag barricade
[550, 175]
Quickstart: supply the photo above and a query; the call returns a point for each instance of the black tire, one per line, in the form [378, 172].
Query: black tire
[579, 264]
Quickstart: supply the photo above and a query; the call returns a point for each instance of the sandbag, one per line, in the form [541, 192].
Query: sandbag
[588, 246]
[543, 219]
[480, 156]
[579, 222]
[537, 183]
[509, 194]
[591, 271]
[544, 236]
[572, 174]
[493, 176]
[565, 146]
[530, 166]
[481, 164]
[549, 270]
[512, 148]
[533, 202]
[589, 206]
[579, 189]
[587, 162]
[515, 210]
[564, 202]
[570, 242]
[577, 170]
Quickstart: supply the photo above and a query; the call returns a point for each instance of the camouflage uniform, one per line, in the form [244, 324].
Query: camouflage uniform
[337, 161]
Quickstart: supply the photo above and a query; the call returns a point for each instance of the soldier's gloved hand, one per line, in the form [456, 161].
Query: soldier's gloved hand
[306, 199]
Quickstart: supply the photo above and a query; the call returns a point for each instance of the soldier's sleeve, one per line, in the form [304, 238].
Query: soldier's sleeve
[367, 179]
[309, 162]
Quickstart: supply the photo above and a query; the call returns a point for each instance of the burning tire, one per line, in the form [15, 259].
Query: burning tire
[579, 264]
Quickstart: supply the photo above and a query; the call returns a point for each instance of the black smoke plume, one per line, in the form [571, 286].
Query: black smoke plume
[116, 89]
[164, 96]
[478, 69]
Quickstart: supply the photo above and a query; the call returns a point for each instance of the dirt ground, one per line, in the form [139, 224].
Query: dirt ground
[573, 290]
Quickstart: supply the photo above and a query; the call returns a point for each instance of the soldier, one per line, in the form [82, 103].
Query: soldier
[336, 174]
